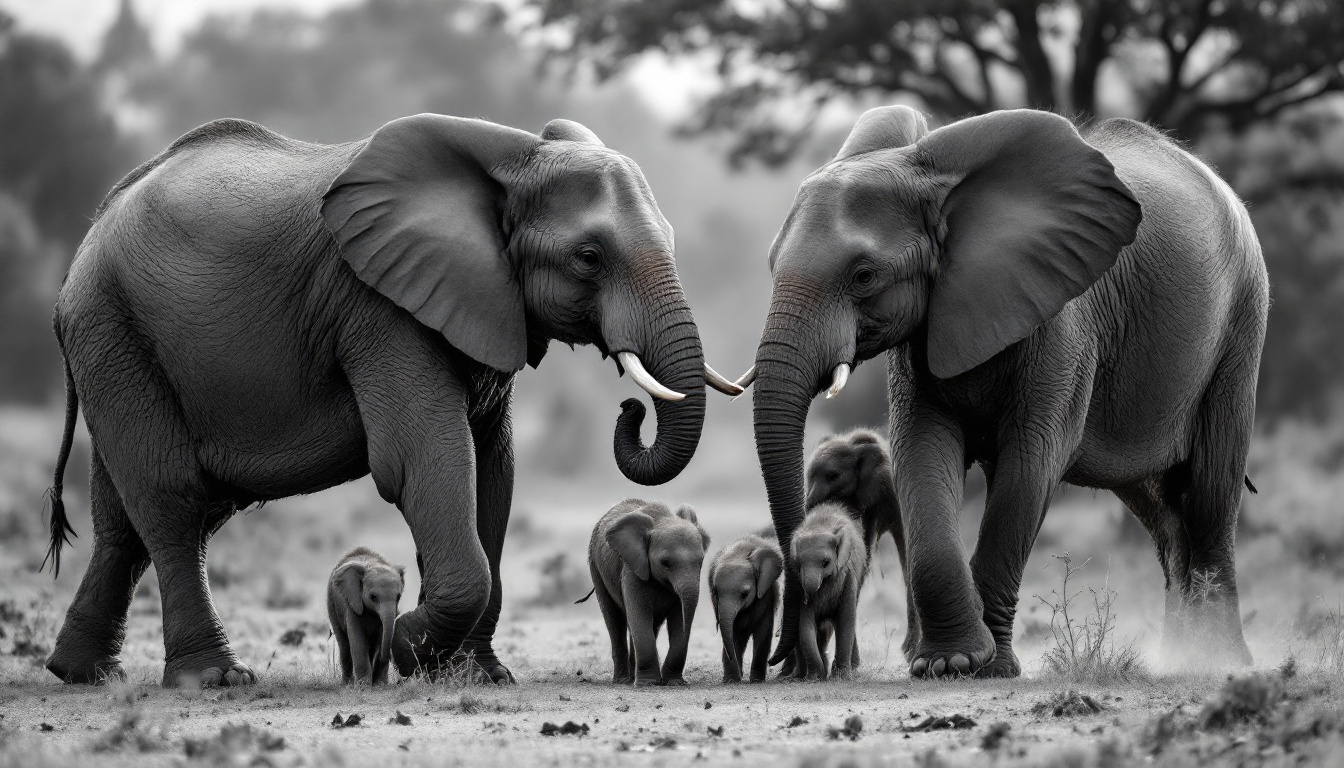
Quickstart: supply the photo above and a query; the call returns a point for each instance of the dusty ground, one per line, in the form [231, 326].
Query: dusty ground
[268, 568]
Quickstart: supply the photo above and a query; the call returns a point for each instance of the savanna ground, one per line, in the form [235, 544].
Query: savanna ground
[1108, 703]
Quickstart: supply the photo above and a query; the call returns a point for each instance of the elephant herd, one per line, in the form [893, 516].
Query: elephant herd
[252, 317]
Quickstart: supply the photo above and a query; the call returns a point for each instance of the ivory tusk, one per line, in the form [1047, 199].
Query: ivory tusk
[630, 362]
[714, 379]
[747, 378]
[838, 380]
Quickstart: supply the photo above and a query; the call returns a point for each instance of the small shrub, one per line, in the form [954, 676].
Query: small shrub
[280, 597]
[1084, 648]
[560, 582]
[1243, 699]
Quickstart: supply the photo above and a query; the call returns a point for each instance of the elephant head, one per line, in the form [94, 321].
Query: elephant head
[957, 242]
[742, 574]
[669, 550]
[376, 588]
[502, 240]
[818, 553]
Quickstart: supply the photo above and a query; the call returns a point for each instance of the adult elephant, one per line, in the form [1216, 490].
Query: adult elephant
[1054, 306]
[252, 317]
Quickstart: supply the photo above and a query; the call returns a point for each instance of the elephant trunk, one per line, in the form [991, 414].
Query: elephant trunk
[727, 614]
[387, 613]
[670, 351]
[811, 584]
[791, 369]
[688, 589]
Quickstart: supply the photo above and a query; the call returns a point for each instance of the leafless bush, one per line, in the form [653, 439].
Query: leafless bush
[1084, 647]
[560, 582]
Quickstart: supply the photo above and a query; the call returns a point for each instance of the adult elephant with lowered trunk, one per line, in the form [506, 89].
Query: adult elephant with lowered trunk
[252, 317]
[1086, 308]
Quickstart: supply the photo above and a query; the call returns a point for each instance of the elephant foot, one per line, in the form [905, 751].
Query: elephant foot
[649, 682]
[960, 657]
[496, 674]
[85, 671]
[1004, 664]
[674, 682]
[619, 679]
[223, 671]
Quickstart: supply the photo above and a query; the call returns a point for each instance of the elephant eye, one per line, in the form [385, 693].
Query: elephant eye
[588, 258]
[864, 276]
[826, 563]
[665, 562]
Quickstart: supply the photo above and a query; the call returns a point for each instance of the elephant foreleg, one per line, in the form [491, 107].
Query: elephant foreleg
[494, 497]
[845, 630]
[929, 452]
[760, 651]
[643, 636]
[678, 643]
[811, 644]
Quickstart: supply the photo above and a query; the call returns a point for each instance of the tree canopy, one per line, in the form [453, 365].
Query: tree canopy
[1176, 63]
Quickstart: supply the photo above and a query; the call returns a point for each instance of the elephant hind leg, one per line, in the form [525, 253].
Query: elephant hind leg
[88, 647]
[1206, 629]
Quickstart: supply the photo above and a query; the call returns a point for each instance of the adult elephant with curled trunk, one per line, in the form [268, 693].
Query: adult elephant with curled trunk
[1056, 306]
[252, 317]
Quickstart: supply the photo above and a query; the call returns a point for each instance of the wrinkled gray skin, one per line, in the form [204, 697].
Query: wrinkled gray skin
[252, 317]
[645, 561]
[744, 587]
[1054, 306]
[830, 561]
[362, 597]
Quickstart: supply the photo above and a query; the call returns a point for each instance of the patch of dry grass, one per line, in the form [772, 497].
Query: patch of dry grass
[1084, 647]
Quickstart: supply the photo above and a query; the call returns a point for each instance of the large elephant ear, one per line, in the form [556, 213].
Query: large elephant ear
[350, 584]
[884, 128]
[1035, 215]
[629, 536]
[417, 215]
[769, 564]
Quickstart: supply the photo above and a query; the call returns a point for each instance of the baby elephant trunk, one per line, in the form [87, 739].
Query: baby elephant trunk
[387, 613]
[811, 583]
[688, 589]
[727, 615]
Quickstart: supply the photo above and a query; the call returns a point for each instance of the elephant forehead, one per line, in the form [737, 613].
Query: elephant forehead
[732, 575]
[598, 188]
[812, 542]
[845, 211]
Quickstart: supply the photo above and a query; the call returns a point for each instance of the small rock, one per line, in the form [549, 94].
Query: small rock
[994, 737]
[797, 721]
[851, 730]
[293, 637]
[46, 727]
[570, 728]
[349, 722]
[940, 723]
[399, 719]
[715, 732]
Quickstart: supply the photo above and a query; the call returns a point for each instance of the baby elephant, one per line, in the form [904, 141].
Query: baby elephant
[645, 561]
[362, 598]
[854, 469]
[828, 555]
[744, 587]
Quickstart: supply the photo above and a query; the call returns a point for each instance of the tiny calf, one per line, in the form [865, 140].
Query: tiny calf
[362, 597]
[744, 587]
[645, 561]
[830, 560]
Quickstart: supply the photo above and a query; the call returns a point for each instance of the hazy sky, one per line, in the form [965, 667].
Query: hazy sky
[81, 23]
[667, 89]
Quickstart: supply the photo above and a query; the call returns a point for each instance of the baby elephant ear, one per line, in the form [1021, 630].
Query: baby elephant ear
[1034, 216]
[568, 130]
[769, 564]
[688, 514]
[629, 536]
[401, 571]
[350, 583]
[884, 128]
[417, 216]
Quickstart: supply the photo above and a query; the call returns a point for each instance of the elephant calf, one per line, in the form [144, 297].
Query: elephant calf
[645, 561]
[829, 559]
[362, 598]
[744, 586]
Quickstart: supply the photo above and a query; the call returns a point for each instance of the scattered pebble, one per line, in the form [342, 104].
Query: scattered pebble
[941, 723]
[399, 719]
[570, 728]
[851, 730]
[349, 722]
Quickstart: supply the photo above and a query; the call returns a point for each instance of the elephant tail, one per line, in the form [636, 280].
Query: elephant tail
[60, 524]
[1249, 485]
[584, 599]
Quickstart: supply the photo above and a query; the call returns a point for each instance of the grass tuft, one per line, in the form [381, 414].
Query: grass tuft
[1084, 647]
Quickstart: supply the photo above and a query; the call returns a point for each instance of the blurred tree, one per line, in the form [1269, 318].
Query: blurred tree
[779, 62]
[126, 44]
[61, 150]
[60, 153]
[339, 76]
